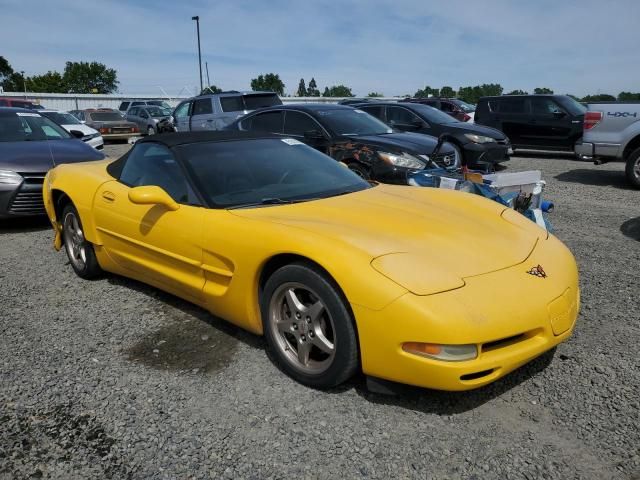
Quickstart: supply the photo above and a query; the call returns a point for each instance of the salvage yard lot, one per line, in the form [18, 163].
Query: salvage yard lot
[114, 379]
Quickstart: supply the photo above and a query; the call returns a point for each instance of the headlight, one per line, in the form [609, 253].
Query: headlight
[447, 353]
[479, 138]
[403, 160]
[8, 177]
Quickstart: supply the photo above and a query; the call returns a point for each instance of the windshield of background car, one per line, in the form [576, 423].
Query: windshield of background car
[572, 105]
[349, 121]
[466, 107]
[234, 174]
[61, 118]
[253, 102]
[105, 116]
[433, 115]
[24, 127]
[158, 112]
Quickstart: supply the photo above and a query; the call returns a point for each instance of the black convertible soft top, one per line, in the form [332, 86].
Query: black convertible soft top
[182, 138]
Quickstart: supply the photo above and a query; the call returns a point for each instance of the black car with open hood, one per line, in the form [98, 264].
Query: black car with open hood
[369, 147]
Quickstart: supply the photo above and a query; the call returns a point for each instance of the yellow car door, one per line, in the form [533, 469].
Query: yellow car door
[156, 241]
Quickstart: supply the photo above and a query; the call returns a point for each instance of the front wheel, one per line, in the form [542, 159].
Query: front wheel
[308, 327]
[360, 170]
[151, 131]
[80, 252]
[633, 168]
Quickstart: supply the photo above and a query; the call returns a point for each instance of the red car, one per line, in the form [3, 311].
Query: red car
[455, 107]
[19, 102]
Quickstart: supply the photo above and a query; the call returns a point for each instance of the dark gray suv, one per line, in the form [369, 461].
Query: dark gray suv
[216, 111]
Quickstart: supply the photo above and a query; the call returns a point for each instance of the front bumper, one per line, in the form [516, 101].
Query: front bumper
[478, 153]
[22, 200]
[97, 142]
[512, 317]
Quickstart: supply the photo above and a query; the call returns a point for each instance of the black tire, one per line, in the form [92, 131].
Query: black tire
[360, 170]
[632, 169]
[343, 362]
[80, 252]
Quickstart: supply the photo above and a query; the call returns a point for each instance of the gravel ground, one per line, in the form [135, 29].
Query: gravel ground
[114, 379]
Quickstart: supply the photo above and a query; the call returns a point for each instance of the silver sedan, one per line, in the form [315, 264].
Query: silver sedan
[147, 117]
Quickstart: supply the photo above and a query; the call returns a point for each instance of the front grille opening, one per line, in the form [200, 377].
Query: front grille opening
[503, 342]
[476, 375]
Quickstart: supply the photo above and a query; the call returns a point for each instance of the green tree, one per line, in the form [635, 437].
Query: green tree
[600, 97]
[337, 91]
[517, 92]
[628, 96]
[375, 94]
[542, 90]
[473, 94]
[269, 82]
[5, 69]
[427, 92]
[302, 89]
[85, 77]
[312, 90]
[50, 82]
[447, 92]
[210, 89]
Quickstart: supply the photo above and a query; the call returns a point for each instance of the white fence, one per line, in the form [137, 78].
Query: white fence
[73, 101]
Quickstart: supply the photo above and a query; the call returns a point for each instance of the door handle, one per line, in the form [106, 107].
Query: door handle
[108, 196]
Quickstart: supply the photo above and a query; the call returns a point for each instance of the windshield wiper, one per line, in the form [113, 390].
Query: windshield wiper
[269, 201]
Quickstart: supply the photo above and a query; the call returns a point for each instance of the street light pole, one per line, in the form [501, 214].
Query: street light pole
[197, 19]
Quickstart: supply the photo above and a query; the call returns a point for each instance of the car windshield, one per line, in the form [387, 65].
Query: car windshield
[61, 118]
[25, 127]
[159, 103]
[433, 115]
[105, 116]
[254, 173]
[466, 107]
[574, 107]
[158, 112]
[350, 121]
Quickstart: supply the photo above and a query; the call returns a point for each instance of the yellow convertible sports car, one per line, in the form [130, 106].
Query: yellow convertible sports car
[339, 274]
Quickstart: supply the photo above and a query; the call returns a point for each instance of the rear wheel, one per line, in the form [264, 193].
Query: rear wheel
[308, 327]
[633, 168]
[80, 252]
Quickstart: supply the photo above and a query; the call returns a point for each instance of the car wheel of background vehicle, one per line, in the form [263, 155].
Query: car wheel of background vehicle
[150, 131]
[308, 327]
[360, 170]
[80, 252]
[459, 155]
[633, 168]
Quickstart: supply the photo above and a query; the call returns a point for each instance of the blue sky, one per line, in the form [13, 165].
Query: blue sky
[393, 47]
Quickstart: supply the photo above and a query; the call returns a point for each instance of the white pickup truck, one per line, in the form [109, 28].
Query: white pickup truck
[612, 132]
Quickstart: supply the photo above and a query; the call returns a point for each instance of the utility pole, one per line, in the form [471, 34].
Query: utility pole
[206, 65]
[24, 83]
[197, 19]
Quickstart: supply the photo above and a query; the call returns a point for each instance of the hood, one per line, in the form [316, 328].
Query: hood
[466, 127]
[40, 156]
[435, 230]
[414, 143]
[86, 129]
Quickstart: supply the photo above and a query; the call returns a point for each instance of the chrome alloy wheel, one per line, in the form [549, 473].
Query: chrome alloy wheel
[303, 328]
[636, 168]
[74, 241]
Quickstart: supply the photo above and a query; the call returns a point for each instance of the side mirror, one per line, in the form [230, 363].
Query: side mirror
[417, 123]
[76, 133]
[152, 195]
